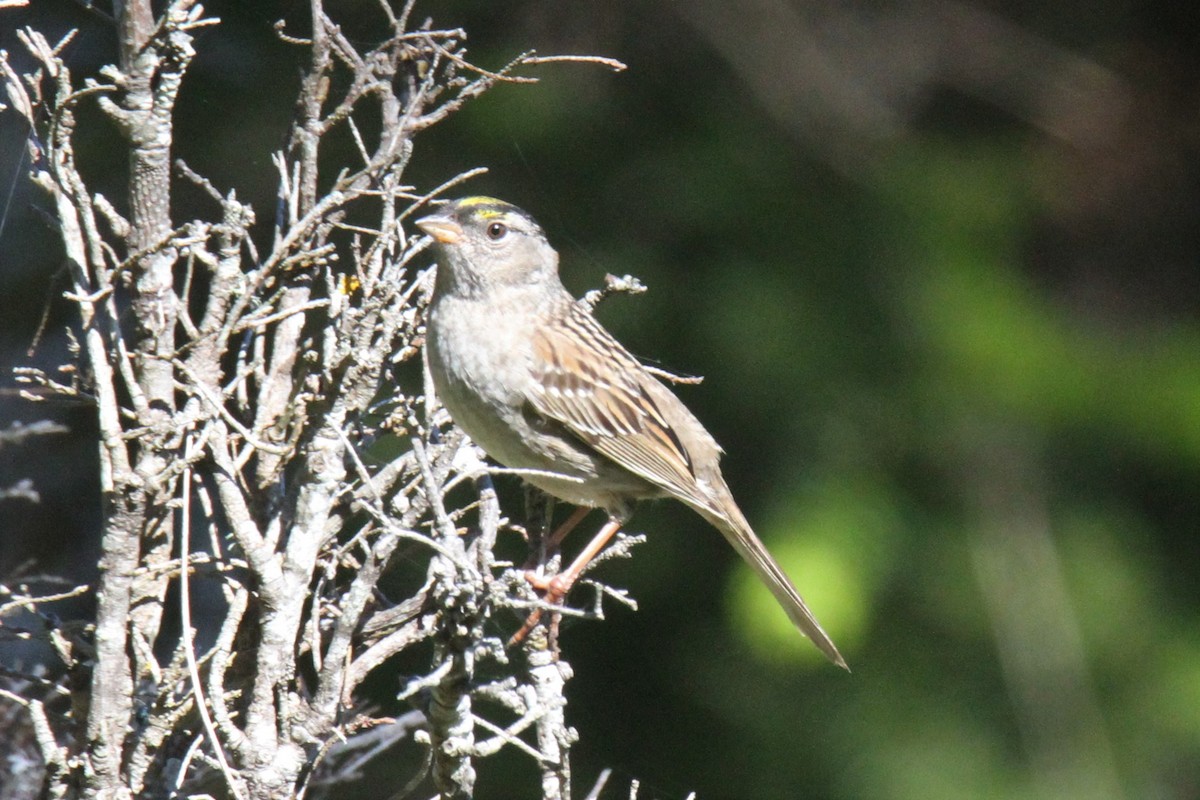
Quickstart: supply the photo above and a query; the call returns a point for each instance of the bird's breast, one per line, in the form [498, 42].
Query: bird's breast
[481, 365]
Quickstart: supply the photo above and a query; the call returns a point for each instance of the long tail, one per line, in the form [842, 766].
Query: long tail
[733, 525]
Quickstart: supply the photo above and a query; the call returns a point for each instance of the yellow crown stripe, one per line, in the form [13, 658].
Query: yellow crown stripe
[480, 200]
[486, 208]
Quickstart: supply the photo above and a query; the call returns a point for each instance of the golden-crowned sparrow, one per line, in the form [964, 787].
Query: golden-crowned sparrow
[531, 376]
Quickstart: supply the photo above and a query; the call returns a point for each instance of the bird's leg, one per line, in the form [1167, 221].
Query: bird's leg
[568, 525]
[552, 542]
[556, 588]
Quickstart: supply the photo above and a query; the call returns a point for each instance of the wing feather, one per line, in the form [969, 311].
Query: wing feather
[585, 380]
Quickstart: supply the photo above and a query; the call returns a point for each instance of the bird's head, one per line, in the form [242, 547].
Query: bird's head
[483, 241]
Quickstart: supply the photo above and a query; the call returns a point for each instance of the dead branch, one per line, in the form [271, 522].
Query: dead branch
[238, 395]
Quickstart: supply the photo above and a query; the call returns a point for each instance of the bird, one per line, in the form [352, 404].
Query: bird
[531, 376]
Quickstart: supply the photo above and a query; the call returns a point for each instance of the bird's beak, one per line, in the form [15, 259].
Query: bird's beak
[442, 228]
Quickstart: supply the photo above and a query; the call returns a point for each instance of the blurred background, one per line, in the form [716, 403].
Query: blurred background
[940, 265]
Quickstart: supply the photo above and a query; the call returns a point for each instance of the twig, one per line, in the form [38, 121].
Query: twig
[604, 61]
[54, 755]
[30, 602]
[185, 617]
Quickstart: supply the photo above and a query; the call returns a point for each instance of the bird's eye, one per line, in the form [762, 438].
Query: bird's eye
[497, 231]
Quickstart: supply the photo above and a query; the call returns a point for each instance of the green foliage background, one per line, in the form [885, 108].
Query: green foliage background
[958, 384]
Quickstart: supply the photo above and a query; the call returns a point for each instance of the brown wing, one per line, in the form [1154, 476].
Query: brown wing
[587, 381]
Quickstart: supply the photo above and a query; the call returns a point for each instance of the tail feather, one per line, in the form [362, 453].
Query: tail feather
[733, 525]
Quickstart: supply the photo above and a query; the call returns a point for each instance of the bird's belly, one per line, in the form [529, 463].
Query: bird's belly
[573, 475]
